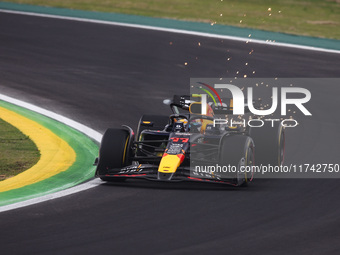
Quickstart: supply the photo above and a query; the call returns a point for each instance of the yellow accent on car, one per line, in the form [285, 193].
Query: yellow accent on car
[55, 154]
[125, 147]
[196, 105]
[159, 154]
[146, 122]
[169, 164]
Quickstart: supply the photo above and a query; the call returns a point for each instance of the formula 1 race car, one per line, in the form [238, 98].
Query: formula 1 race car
[189, 146]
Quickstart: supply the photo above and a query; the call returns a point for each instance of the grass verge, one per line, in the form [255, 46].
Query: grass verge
[17, 152]
[317, 18]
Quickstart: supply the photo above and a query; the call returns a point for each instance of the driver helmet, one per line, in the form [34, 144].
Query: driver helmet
[180, 125]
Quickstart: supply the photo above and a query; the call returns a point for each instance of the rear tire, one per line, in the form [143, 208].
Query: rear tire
[269, 144]
[237, 151]
[113, 152]
[159, 123]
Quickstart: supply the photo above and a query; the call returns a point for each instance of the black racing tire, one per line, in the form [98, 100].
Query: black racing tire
[269, 144]
[113, 152]
[159, 123]
[237, 151]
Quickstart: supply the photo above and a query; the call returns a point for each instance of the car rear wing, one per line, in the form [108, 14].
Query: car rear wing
[185, 101]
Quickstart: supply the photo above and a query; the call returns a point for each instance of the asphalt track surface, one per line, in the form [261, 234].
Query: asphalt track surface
[103, 76]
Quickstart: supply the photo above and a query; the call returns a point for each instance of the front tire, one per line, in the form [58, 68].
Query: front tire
[237, 151]
[113, 152]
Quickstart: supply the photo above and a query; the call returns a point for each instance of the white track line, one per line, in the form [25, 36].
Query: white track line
[76, 125]
[178, 31]
[82, 187]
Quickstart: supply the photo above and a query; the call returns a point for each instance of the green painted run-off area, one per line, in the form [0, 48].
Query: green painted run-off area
[82, 170]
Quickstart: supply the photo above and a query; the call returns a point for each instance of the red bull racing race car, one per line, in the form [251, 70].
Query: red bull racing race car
[189, 146]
